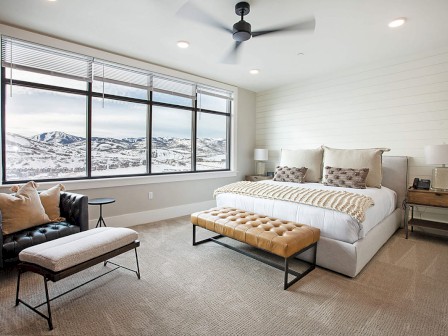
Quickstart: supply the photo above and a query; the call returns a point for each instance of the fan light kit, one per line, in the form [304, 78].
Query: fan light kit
[242, 30]
[183, 44]
[397, 22]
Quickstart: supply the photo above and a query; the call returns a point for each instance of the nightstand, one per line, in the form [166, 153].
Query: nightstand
[255, 178]
[429, 198]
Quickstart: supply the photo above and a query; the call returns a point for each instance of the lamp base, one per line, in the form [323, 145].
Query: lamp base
[261, 168]
[440, 179]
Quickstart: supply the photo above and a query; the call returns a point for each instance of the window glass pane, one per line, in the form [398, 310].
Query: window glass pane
[45, 79]
[211, 147]
[45, 134]
[172, 99]
[212, 103]
[171, 140]
[118, 137]
[119, 90]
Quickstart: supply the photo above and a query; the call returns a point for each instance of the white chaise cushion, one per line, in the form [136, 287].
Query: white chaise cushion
[62, 253]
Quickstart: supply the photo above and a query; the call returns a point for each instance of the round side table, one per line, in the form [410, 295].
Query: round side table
[100, 202]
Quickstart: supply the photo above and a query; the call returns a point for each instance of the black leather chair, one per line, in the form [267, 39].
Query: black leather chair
[74, 208]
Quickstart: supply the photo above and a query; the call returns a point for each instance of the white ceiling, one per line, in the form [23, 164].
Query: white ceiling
[348, 33]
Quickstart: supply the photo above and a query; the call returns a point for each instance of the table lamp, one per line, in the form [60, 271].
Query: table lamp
[438, 154]
[260, 155]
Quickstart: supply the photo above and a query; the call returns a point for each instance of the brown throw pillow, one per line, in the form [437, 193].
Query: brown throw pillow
[22, 210]
[290, 174]
[50, 201]
[346, 177]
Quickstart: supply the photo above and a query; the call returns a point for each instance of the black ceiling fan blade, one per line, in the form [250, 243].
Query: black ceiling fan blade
[192, 12]
[232, 56]
[308, 25]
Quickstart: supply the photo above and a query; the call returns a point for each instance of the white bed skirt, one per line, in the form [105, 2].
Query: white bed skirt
[350, 259]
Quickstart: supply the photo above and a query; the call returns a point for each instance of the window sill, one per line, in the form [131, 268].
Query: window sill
[135, 180]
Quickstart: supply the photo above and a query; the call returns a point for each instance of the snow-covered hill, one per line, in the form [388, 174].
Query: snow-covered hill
[60, 155]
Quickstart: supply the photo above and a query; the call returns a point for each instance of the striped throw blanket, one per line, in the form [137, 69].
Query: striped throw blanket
[352, 204]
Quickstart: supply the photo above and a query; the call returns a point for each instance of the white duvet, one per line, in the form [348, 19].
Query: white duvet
[332, 224]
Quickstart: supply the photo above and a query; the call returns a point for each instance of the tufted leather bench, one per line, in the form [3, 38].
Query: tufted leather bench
[280, 237]
[74, 209]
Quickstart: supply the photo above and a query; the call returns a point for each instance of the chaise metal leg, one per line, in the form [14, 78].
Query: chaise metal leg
[49, 319]
[138, 267]
[18, 286]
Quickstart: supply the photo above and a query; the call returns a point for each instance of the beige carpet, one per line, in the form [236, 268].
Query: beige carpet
[211, 290]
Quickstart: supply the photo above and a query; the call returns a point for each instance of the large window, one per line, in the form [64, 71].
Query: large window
[70, 116]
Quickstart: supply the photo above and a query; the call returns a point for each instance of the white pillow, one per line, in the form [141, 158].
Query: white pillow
[309, 158]
[357, 158]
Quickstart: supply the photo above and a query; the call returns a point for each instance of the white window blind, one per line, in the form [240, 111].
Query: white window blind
[215, 92]
[22, 55]
[121, 75]
[173, 86]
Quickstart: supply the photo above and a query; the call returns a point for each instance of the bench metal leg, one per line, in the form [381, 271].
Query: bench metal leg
[299, 276]
[284, 267]
[203, 240]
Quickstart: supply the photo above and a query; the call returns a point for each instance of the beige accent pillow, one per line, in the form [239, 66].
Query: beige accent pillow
[50, 201]
[357, 159]
[290, 174]
[22, 210]
[310, 158]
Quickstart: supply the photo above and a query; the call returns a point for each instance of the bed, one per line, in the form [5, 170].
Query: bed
[346, 245]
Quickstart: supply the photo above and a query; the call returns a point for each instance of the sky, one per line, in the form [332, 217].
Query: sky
[33, 111]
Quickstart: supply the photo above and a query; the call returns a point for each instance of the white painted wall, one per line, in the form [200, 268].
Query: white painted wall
[171, 199]
[401, 104]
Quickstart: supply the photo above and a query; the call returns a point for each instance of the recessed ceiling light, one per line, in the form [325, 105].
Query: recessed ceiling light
[254, 72]
[397, 22]
[183, 44]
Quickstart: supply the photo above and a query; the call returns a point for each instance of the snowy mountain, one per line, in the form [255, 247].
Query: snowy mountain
[57, 137]
[60, 155]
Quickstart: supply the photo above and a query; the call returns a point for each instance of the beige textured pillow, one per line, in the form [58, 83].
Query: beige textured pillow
[310, 158]
[346, 177]
[22, 210]
[290, 174]
[50, 201]
[357, 159]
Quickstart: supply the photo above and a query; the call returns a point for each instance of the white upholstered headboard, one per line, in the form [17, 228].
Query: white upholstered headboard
[395, 176]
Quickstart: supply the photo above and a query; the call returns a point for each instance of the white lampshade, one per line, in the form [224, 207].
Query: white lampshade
[261, 154]
[436, 154]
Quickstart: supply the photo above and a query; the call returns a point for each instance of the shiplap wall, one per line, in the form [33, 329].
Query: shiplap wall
[400, 104]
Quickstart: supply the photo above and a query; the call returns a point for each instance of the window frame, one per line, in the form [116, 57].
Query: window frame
[90, 94]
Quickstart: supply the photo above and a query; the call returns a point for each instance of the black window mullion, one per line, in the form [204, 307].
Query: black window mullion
[3, 110]
[229, 132]
[149, 137]
[89, 132]
[194, 135]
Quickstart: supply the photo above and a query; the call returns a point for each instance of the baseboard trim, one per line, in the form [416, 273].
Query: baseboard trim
[150, 216]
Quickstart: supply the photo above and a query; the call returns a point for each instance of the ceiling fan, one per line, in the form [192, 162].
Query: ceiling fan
[242, 30]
